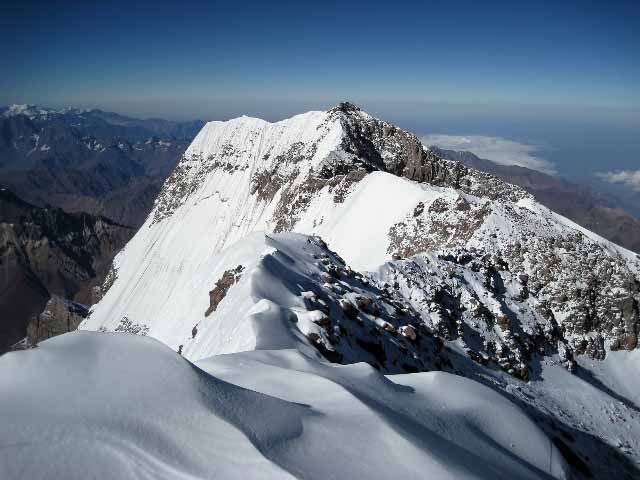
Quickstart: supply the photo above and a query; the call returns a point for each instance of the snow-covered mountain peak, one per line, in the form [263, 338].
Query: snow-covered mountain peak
[36, 111]
[24, 109]
[299, 156]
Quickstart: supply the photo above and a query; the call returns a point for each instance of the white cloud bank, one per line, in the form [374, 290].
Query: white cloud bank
[497, 149]
[630, 178]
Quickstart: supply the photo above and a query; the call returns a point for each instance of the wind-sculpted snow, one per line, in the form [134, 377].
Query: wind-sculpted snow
[124, 406]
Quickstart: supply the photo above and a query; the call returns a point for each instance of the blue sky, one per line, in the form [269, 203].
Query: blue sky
[170, 54]
[560, 78]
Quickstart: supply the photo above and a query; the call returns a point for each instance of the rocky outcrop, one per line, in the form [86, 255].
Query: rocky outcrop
[228, 279]
[515, 299]
[383, 146]
[59, 316]
[447, 222]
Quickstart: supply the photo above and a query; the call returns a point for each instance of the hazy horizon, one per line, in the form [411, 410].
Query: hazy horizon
[498, 53]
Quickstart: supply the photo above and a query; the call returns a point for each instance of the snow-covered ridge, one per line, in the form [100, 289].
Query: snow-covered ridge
[351, 179]
[470, 274]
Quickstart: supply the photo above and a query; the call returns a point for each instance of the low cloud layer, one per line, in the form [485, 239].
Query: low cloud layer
[497, 149]
[630, 178]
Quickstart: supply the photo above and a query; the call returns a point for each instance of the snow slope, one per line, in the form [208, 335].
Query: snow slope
[124, 406]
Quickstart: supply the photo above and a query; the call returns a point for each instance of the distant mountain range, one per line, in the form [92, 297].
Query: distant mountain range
[52, 264]
[89, 160]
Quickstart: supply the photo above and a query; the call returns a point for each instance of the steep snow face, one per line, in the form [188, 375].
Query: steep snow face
[233, 170]
[123, 406]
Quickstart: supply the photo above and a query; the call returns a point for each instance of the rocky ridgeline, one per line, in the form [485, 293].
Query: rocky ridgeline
[383, 146]
[399, 318]
[367, 144]
[517, 291]
[59, 316]
[351, 318]
[291, 172]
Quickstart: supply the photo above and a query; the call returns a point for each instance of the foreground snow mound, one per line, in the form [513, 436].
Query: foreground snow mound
[125, 406]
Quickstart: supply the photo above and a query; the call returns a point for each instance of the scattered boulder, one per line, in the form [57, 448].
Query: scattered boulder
[503, 321]
[363, 302]
[409, 332]
[319, 318]
[348, 308]
[313, 337]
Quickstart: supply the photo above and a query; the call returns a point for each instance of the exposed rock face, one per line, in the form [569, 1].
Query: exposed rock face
[348, 316]
[631, 318]
[531, 288]
[446, 223]
[59, 316]
[45, 252]
[223, 285]
[383, 146]
[126, 325]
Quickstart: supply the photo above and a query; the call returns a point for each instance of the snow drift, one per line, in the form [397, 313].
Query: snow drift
[124, 406]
